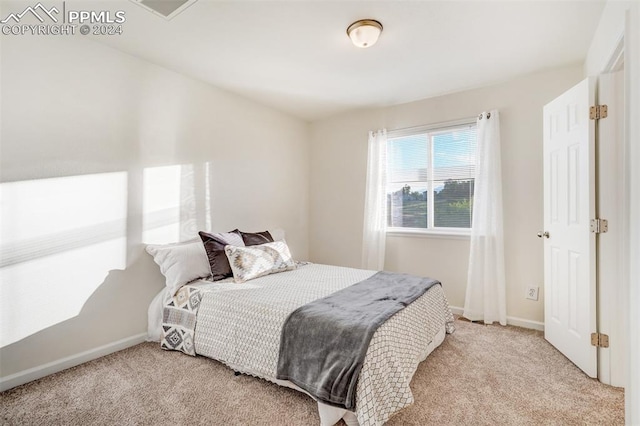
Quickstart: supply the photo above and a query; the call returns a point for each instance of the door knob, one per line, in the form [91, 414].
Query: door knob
[543, 234]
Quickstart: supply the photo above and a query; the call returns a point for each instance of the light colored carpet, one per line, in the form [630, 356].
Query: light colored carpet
[481, 375]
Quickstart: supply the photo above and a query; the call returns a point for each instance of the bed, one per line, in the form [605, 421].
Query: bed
[240, 325]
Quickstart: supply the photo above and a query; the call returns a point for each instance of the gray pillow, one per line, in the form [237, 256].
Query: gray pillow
[256, 238]
[214, 246]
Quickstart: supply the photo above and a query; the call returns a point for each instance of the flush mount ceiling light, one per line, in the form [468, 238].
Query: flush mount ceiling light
[365, 32]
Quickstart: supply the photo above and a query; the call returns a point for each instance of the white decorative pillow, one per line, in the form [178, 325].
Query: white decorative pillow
[180, 263]
[256, 261]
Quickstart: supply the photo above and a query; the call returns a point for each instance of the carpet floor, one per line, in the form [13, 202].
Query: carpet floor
[481, 375]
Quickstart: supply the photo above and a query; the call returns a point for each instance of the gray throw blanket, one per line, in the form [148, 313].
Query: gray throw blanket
[323, 343]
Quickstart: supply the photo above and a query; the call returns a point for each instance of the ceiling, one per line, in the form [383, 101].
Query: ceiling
[295, 56]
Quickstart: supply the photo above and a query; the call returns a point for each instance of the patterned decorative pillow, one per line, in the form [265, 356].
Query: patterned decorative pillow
[256, 261]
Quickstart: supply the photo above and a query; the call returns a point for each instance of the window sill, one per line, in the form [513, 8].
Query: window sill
[452, 234]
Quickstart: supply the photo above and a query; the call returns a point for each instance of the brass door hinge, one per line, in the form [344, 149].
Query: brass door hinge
[599, 340]
[596, 112]
[599, 226]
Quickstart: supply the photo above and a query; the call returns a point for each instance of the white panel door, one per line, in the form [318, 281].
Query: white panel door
[569, 245]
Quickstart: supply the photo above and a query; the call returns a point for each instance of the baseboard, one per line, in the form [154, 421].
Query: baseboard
[38, 372]
[518, 322]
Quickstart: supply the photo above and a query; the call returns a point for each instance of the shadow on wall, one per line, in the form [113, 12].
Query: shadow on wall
[60, 237]
[100, 319]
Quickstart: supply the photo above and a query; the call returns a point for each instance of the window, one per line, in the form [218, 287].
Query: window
[430, 178]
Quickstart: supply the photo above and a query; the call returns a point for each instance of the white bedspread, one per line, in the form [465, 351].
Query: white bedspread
[240, 324]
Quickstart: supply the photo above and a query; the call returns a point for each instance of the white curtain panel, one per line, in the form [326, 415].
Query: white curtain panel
[375, 203]
[485, 298]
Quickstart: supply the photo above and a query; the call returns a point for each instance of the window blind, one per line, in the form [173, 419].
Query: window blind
[430, 178]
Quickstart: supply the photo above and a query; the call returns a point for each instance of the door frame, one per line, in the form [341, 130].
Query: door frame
[611, 204]
[628, 50]
[632, 146]
[613, 316]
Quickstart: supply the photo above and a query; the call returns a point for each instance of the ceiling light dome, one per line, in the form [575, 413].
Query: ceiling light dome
[365, 32]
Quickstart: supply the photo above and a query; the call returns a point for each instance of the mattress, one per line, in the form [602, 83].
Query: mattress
[240, 325]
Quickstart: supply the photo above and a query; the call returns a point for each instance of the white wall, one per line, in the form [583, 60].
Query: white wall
[338, 166]
[84, 130]
[608, 34]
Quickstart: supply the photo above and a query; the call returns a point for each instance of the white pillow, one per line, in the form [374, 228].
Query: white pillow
[154, 317]
[180, 263]
[256, 261]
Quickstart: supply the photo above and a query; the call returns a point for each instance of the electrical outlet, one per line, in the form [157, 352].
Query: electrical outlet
[532, 293]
